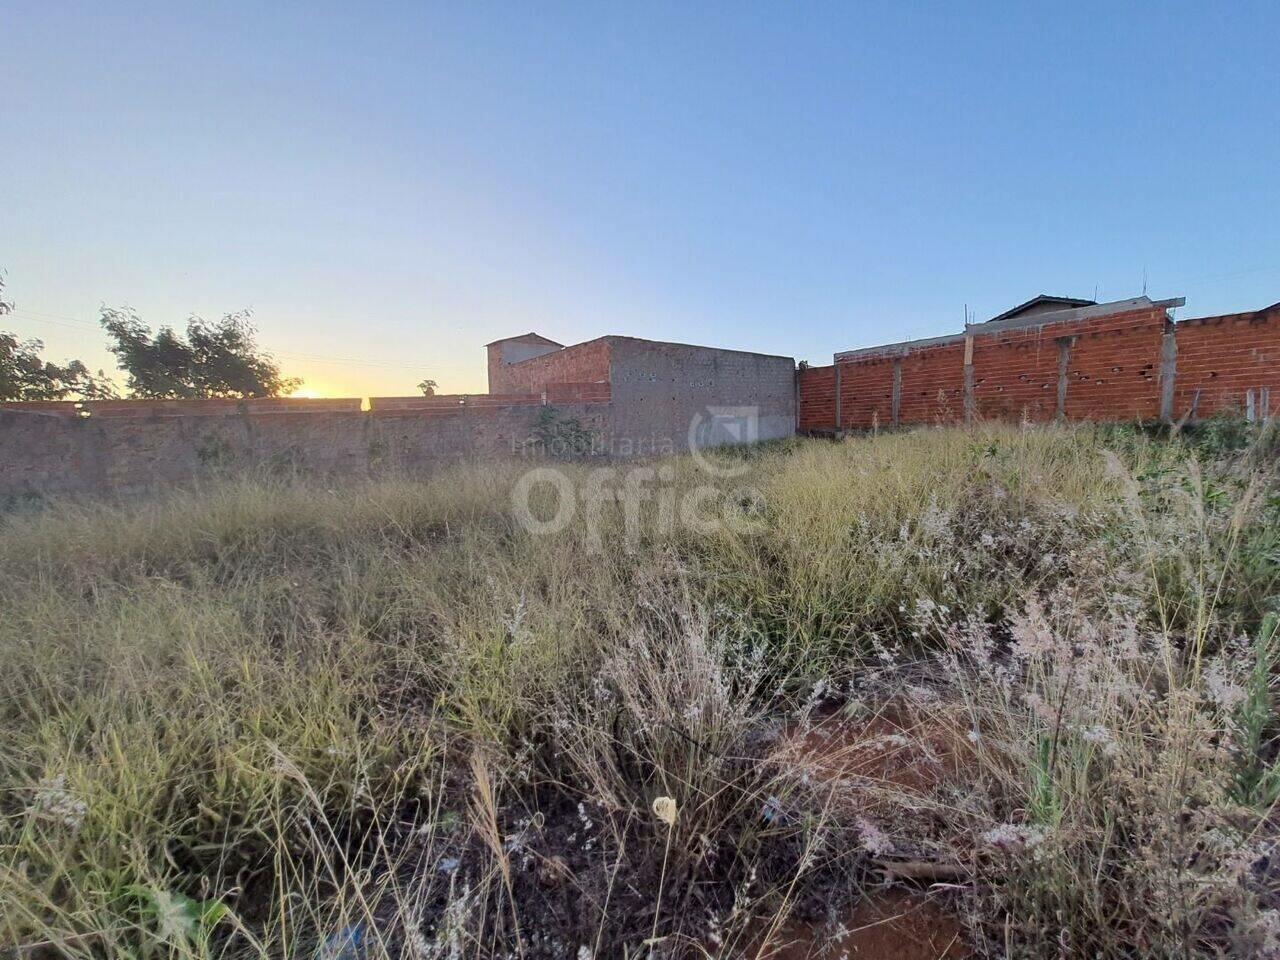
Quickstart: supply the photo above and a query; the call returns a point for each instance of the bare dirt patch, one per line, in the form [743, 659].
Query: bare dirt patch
[898, 749]
[892, 926]
[875, 765]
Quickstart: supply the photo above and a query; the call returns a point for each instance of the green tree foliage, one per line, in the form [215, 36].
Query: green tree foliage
[215, 359]
[24, 375]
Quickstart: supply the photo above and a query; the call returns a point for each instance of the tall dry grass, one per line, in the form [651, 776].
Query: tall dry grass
[383, 719]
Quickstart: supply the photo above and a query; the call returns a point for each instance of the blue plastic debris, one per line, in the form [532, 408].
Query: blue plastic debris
[347, 944]
[771, 812]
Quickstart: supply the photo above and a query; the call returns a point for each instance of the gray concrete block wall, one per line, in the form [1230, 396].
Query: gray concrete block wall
[45, 455]
[658, 389]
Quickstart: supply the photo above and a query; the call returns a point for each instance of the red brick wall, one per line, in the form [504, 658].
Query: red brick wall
[817, 398]
[933, 385]
[866, 392]
[1115, 366]
[1015, 375]
[1113, 373]
[582, 363]
[1221, 358]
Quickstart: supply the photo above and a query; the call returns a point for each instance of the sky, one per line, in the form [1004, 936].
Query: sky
[390, 186]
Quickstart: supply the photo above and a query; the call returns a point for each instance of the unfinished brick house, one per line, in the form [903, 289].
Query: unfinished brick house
[663, 396]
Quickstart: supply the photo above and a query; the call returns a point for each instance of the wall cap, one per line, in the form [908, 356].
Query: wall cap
[1015, 323]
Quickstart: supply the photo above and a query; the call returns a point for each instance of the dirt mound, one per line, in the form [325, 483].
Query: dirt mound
[900, 747]
[876, 764]
[891, 926]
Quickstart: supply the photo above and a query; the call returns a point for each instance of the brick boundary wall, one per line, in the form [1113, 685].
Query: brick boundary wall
[931, 389]
[1229, 364]
[55, 454]
[1131, 362]
[816, 396]
[637, 398]
[555, 393]
[182, 408]
[1121, 361]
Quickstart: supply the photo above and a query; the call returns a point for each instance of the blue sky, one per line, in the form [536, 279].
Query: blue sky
[389, 186]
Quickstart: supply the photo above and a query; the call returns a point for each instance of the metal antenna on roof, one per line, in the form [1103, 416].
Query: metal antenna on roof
[1144, 281]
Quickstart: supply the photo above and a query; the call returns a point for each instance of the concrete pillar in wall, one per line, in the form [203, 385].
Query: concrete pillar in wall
[970, 402]
[839, 419]
[1168, 371]
[896, 401]
[795, 393]
[1064, 362]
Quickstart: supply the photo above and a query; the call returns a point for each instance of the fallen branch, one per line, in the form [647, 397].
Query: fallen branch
[923, 870]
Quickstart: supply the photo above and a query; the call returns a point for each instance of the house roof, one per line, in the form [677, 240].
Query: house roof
[1046, 318]
[526, 338]
[1042, 300]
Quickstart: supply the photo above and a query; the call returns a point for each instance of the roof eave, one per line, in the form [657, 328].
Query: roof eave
[993, 326]
[1068, 303]
[525, 337]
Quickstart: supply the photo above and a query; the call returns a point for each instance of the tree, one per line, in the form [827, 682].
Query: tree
[25, 376]
[428, 388]
[218, 359]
